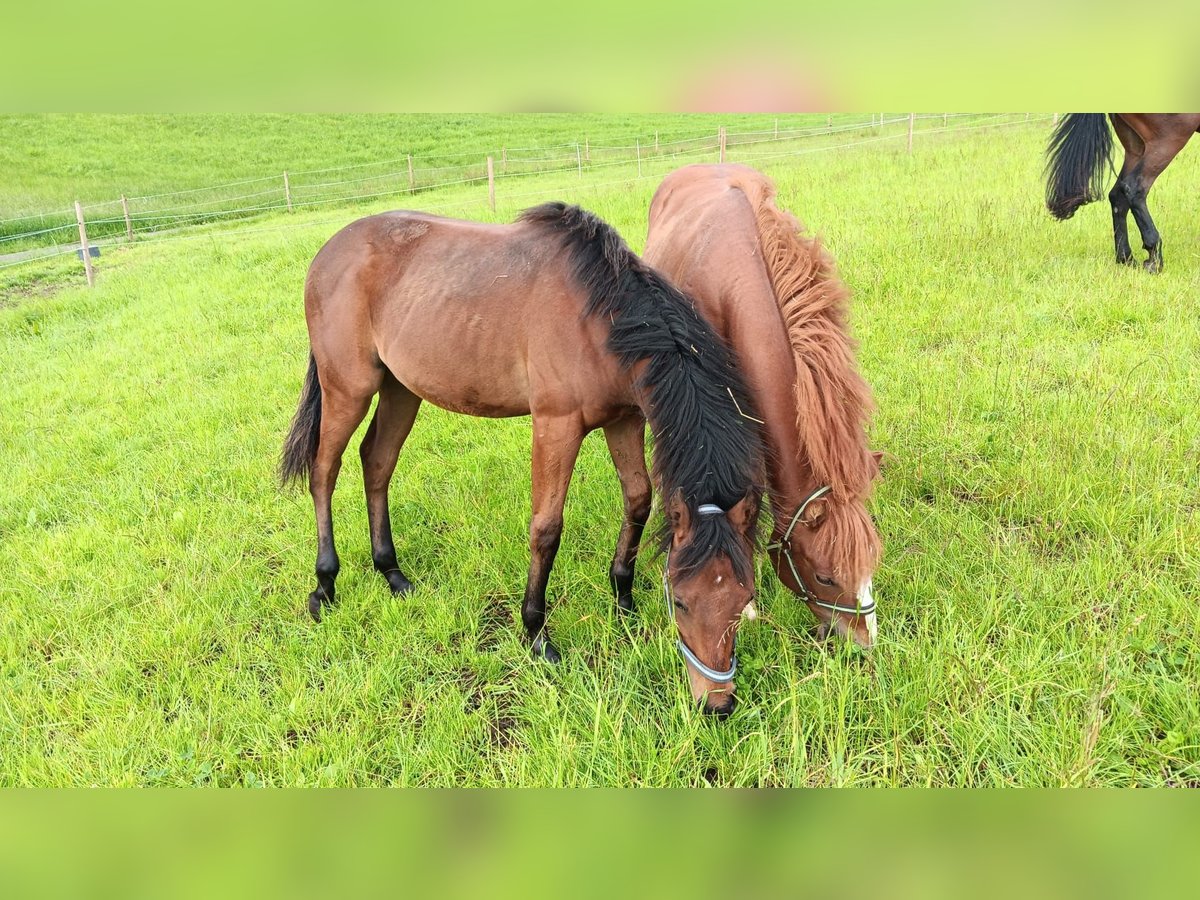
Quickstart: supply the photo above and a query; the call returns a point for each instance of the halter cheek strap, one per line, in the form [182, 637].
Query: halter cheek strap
[863, 605]
[721, 677]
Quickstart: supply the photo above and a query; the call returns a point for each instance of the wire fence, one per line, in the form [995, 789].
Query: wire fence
[168, 215]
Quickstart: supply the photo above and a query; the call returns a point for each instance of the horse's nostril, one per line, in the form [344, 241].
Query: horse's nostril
[721, 712]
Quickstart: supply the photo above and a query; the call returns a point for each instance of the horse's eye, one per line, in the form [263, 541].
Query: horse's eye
[679, 606]
[828, 582]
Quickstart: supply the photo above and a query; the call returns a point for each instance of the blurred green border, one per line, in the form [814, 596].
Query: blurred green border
[855, 55]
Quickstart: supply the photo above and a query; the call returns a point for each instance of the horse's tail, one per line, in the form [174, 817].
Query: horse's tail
[1080, 149]
[300, 447]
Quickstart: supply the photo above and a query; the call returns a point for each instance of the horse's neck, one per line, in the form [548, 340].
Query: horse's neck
[753, 326]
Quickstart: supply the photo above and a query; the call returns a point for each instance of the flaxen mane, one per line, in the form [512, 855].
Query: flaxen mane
[833, 402]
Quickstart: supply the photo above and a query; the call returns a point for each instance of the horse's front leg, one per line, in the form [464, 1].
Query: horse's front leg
[627, 445]
[556, 442]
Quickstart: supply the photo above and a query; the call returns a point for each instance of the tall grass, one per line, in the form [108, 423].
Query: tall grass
[1037, 596]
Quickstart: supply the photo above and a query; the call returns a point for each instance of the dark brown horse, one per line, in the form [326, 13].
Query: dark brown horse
[774, 295]
[1081, 149]
[555, 317]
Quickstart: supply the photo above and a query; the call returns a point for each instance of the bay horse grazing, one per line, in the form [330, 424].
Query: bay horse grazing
[551, 316]
[775, 296]
[1081, 149]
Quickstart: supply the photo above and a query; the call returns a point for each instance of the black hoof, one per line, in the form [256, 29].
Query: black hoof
[315, 601]
[625, 606]
[398, 583]
[543, 649]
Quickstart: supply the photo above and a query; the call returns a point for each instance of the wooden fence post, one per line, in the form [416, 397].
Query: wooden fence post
[656, 142]
[491, 185]
[587, 150]
[287, 190]
[83, 246]
[829, 123]
[911, 119]
[128, 224]
[637, 147]
[1056, 118]
[412, 185]
[721, 143]
[578, 159]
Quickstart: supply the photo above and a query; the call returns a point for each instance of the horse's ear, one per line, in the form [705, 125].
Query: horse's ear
[742, 515]
[877, 456]
[678, 512]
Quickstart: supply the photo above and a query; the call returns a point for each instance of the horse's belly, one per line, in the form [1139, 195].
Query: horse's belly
[463, 369]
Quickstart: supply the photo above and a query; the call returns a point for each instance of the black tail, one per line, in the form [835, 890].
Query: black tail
[300, 448]
[1079, 152]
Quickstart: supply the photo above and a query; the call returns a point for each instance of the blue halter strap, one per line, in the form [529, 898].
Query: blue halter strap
[705, 509]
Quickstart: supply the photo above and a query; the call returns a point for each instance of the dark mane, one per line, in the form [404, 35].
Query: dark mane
[707, 443]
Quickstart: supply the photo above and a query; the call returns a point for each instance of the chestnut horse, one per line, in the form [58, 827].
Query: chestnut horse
[775, 296]
[552, 316]
[1081, 149]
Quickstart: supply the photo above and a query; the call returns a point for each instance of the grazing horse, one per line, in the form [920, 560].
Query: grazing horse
[1081, 149]
[551, 316]
[775, 296]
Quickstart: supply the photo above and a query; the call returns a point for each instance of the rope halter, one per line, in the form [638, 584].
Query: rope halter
[864, 605]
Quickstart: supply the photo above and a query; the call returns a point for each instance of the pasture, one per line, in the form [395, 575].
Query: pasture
[1037, 598]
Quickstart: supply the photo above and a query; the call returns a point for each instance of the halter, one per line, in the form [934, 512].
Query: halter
[706, 509]
[863, 606]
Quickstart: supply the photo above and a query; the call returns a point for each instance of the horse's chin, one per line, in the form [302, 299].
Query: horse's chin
[863, 635]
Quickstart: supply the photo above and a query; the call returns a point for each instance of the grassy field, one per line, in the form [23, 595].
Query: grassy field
[182, 170]
[1037, 598]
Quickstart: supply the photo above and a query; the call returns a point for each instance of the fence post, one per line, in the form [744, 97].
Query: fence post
[491, 185]
[128, 224]
[412, 184]
[83, 245]
[829, 123]
[578, 159]
[637, 146]
[721, 143]
[587, 150]
[1056, 118]
[287, 190]
[911, 118]
[945, 119]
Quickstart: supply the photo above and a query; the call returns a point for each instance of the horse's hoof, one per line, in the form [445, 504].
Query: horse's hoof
[625, 606]
[398, 584]
[543, 649]
[314, 605]
[1152, 267]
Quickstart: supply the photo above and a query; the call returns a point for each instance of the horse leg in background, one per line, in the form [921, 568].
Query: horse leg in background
[556, 444]
[626, 440]
[341, 413]
[1118, 197]
[1156, 158]
[389, 428]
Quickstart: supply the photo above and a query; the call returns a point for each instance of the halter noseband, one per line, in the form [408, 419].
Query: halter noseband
[862, 607]
[706, 509]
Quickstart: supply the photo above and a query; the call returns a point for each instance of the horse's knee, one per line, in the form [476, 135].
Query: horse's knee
[637, 505]
[544, 534]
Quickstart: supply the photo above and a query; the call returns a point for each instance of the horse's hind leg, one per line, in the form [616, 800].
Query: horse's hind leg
[627, 444]
[1119, 196]
[341, 413]
[1156, 158]
[555, 447]
[380, 448]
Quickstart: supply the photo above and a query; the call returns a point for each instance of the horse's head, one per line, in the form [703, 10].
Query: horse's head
[708, 581]
[827, 554]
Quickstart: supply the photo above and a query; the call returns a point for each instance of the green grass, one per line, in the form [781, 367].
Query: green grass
[1037, 599]
[179, 170]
